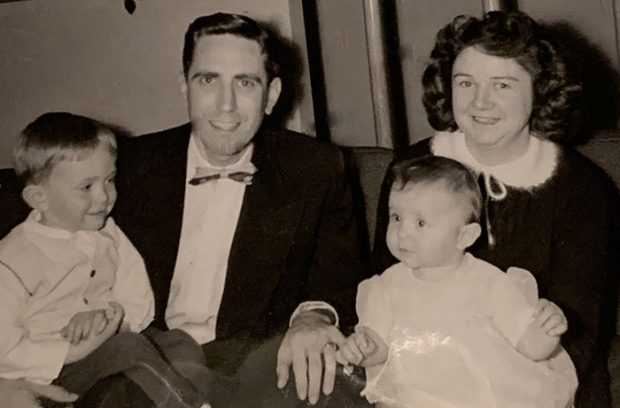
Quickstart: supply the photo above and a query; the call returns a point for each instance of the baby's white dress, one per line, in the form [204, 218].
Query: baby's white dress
[453, 343]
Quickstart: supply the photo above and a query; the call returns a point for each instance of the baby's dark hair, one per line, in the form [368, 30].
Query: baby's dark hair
[57, 136]
[455, 177]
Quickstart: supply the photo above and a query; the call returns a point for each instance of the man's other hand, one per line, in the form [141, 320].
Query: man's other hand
[310, 347]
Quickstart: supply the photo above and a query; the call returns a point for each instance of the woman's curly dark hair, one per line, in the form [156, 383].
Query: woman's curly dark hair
[508, 35]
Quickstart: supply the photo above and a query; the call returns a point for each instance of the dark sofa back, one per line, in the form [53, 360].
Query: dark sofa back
[13, 210]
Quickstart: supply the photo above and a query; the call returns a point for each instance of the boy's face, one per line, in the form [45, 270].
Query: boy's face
[80, 194]
[426, 226]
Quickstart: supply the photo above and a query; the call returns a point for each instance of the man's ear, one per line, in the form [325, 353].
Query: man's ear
[273, 93]
[468, 235]
[183, 85]
[35, 197]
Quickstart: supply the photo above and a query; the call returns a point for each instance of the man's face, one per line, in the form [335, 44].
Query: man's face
[228, 95]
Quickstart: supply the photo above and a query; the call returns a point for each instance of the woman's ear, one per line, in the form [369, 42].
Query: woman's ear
[468, 235]
[35, 197]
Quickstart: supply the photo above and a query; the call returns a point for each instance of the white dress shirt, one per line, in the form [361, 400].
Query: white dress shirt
[47, 275]
[210, 216]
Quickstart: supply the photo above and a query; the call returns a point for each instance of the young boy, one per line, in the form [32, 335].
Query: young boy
[442, 328]
[74, 292]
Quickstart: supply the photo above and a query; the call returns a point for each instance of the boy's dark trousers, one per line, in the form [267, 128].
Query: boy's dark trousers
[157, 364]
[242, 374]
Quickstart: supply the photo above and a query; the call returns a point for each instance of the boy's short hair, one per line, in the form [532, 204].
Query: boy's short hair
[54, 137]
[454, 176]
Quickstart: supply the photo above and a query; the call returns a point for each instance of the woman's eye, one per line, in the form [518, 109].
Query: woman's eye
[395, 217]
[421, 223]
[86, 187]
[465, 84]
[502, 85]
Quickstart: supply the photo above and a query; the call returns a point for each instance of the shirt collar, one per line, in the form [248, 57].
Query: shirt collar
[33, 224]
[530, 170]
[195, 158]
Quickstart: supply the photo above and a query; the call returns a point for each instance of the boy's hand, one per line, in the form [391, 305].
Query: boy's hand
[85, 324]
[550, 318]
[88, 345]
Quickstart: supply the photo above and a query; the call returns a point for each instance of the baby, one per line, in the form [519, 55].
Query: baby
[74, 292]
[443, 328]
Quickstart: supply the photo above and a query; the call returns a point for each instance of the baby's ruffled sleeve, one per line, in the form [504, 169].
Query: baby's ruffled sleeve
[373, 305]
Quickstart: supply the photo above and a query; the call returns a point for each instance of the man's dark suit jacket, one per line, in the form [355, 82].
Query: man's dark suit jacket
[296, 238]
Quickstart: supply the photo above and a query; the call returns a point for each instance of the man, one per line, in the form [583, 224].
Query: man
[247, 232]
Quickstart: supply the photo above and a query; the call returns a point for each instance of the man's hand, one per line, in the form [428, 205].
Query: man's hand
[114, 317]
[24, 394]
[84, 325]
[309, 343]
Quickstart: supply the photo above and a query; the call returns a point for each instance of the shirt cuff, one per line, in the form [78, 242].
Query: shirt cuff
[316, 306]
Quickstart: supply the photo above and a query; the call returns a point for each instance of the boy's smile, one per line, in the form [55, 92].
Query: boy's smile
[80, 194]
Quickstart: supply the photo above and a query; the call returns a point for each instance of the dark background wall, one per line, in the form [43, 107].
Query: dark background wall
[93, 57]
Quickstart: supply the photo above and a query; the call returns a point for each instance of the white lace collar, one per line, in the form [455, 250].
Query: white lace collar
[532, 169]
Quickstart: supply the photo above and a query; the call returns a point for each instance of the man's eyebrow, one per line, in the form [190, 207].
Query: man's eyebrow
[250, 77]
[460, 74]
[202, 74]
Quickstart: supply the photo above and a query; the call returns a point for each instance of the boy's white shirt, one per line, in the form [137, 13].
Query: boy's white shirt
[46, 277]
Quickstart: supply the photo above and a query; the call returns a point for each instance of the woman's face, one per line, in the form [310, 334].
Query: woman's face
[492, 101]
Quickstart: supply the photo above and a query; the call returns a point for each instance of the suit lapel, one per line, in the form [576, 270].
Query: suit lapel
[167, 196]
[264, 234]
[173, 200]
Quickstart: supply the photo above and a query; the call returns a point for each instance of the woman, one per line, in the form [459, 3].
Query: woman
[498, 93]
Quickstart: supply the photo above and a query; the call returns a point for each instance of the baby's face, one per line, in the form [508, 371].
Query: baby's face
[425, 228]
[81, 193]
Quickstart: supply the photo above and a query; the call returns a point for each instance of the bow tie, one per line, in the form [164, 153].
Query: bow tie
[243, 174]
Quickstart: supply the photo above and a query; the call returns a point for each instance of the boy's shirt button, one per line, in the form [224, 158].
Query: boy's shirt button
[92, 273]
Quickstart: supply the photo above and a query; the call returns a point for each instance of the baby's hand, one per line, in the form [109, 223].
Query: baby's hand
[85, 324]
[355, 348]
[550, 318]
